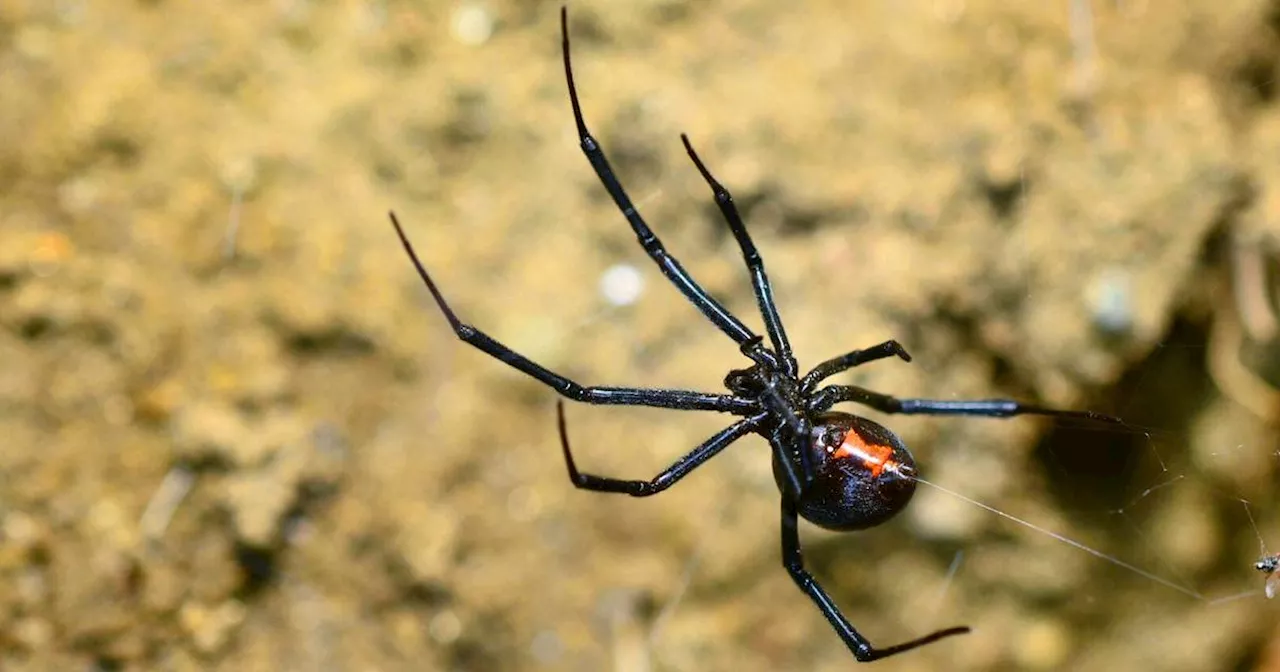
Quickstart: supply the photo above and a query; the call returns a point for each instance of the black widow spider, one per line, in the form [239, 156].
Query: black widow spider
[837, 470]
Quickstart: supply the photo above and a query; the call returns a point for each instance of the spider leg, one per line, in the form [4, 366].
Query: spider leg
[718, 314]
[990, 408]
[621, 396]
[793, 560]
[798, 477]
[800, 428]
[669, 476]
[755, 264]
[851, 359]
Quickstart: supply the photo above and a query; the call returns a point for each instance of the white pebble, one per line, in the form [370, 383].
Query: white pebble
[472, 24]
[1111, 299]
[622, 284]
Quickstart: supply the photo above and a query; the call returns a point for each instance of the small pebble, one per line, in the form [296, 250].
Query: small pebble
[622, 284]
[472, 24]
[1111, 301]
[445, 627]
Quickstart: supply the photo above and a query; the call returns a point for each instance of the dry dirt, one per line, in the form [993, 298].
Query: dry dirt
[235, 434]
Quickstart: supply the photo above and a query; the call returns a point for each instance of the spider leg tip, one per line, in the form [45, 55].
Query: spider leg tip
[569, 463]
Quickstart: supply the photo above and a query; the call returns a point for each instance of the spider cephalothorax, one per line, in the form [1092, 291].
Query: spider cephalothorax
[837, 470]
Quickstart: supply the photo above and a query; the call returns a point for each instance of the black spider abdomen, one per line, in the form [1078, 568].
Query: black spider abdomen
[863, 474]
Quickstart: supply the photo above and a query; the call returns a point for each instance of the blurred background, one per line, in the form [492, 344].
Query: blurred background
[235, 434]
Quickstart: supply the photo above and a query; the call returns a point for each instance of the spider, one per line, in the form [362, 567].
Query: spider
[836, 470]
[1270, 565]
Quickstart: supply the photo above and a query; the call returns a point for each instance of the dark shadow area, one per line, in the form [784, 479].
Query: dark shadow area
[1100, 468]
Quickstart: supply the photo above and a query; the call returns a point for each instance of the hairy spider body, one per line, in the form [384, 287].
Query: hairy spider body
[837, 470]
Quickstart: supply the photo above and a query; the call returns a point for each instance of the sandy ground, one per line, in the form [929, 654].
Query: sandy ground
[235, 434]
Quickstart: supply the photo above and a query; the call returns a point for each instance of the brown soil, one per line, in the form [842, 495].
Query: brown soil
[236, 435]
